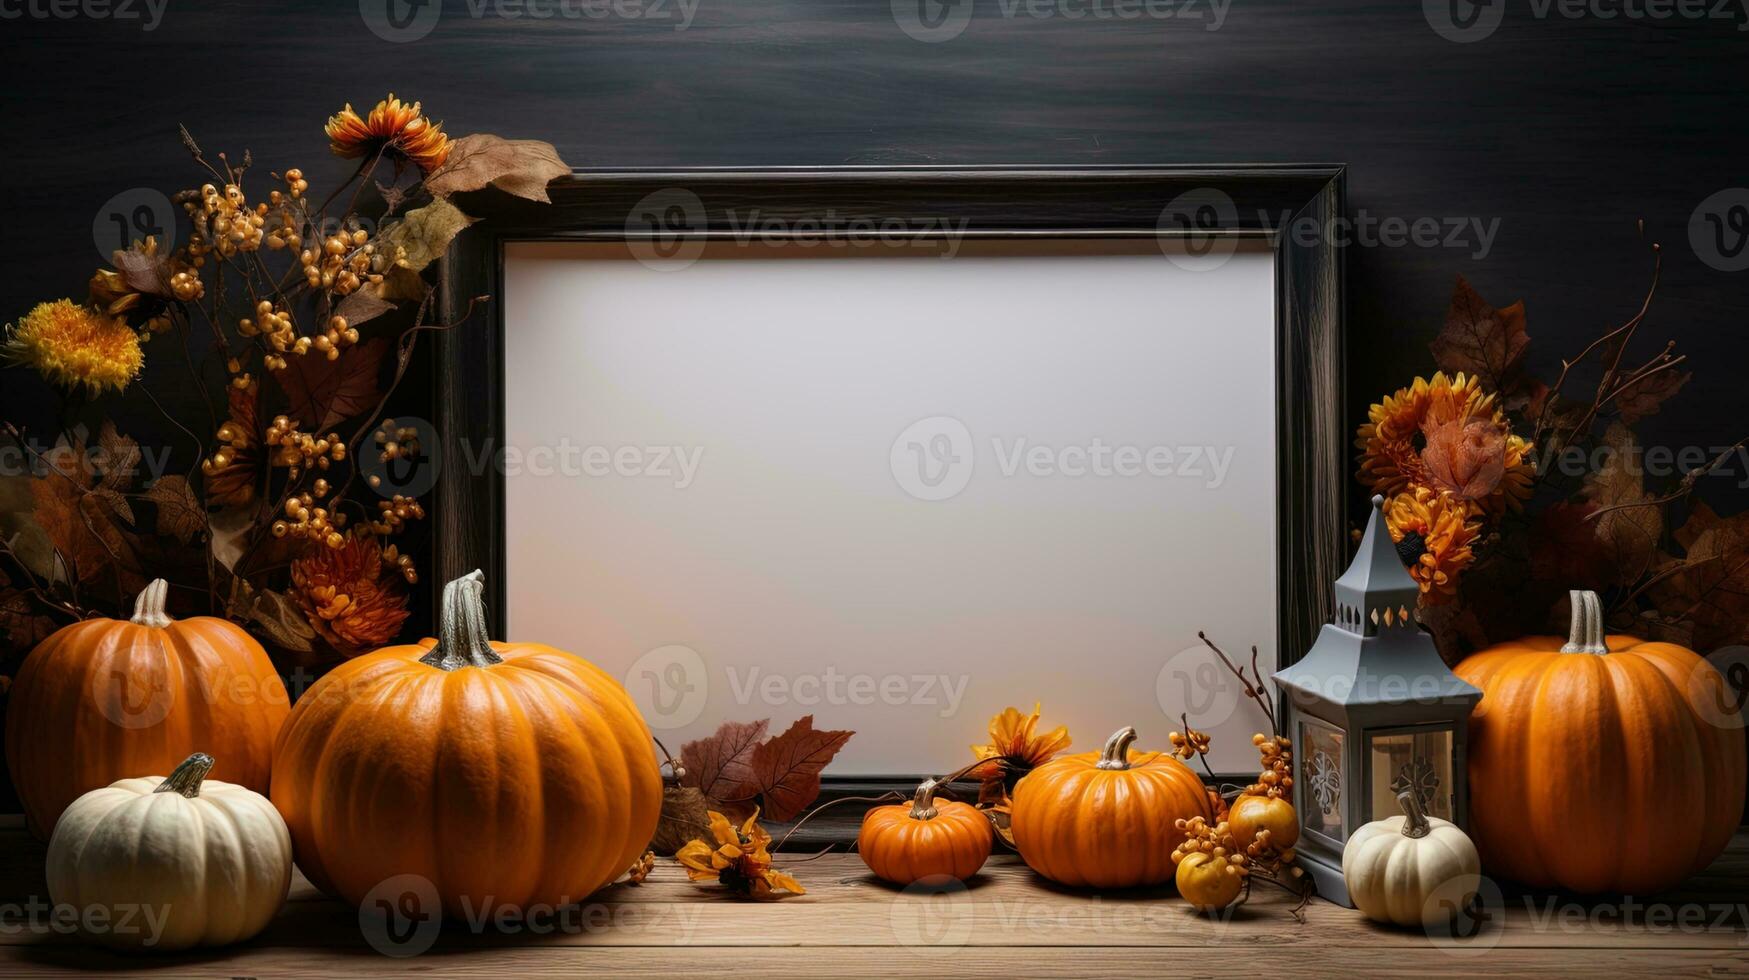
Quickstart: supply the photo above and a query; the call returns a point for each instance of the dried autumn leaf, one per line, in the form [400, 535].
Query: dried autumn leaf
[118, 459]
[81, 527]
[1709, 585]
[426, 232]
[1465, 458]
[143, 271]
[1480, 340]
[280, 620]
[1565, 547]
[21, 626]
[519, 167]
[180, 514]
[1630, 525]
[323, 392]
[787, 768]
[1644, 397]
[362, 305]
[720, 766]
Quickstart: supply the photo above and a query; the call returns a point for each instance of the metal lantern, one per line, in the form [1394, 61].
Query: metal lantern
[1372, 710]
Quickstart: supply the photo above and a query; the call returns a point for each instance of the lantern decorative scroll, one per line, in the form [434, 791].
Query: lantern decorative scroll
[1373, 711]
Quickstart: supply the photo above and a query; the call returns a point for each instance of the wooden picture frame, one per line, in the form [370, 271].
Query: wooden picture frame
[1272, 204]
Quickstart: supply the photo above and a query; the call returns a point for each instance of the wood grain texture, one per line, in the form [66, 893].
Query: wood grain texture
[1005, 922]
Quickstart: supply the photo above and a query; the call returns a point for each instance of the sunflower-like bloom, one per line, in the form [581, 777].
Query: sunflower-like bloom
[73, 346]
[1433, 533]
[348, 595]
[1015, 747]
[393, 125]
[737, 857]
[1394, 444]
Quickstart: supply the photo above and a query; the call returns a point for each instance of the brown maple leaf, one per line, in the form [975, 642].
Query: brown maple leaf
[788, 766]
[22, 627]
[1482, 341]
[180, 514]
[1644, 397]
[1709, 584]
[1630, 524]
[323, 392]
[721, 766]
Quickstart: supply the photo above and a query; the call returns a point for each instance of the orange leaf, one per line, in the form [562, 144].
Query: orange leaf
[788, 767]
[1465, 458]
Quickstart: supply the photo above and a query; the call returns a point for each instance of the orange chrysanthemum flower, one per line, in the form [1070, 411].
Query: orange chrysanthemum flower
[738, 858]
[348, 596]
[1394, 445]
[394, 126]
[1433, 533]
[73, 346]
[1015, 748]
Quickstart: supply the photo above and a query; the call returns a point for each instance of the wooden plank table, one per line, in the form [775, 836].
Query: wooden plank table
[1005, 923]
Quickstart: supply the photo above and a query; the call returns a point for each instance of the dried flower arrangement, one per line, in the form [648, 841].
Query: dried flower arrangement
[308, 315]
[1505, 492]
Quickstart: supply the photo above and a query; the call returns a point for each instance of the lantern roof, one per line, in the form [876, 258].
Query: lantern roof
[1375, 652]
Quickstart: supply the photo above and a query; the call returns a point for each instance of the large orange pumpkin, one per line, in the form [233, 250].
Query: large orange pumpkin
[504, 774]
[924, 839]
[1106, 819]
[108, 699]
[1595, 765]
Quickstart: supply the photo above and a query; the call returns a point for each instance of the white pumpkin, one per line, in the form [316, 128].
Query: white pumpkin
[166, 863]
[1413, 870]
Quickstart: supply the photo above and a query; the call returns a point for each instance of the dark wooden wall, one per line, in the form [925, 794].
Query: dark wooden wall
[1561, 131]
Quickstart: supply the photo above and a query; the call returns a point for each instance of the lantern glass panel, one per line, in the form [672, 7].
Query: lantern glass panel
[1322, 779]
[1418, 759]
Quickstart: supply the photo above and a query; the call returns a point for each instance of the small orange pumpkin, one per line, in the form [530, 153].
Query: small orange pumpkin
[1105, 819]
[1594, 765]
[924, 839]
[504, 773]
[107, 699]
[1252, 813]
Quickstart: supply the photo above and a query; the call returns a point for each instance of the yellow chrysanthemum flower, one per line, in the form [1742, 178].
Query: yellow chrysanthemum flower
[737, 858]
[1016, 746]
[393, 124]
[1433, 533]
[72, 346]
[1392, 439]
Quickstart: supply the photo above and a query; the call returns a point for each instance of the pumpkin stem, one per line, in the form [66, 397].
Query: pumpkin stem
[923, 803]
[461, 639]
[1116, 754]
[149, 605]
[1415, 825]
[186, 777]
[1585, 635]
